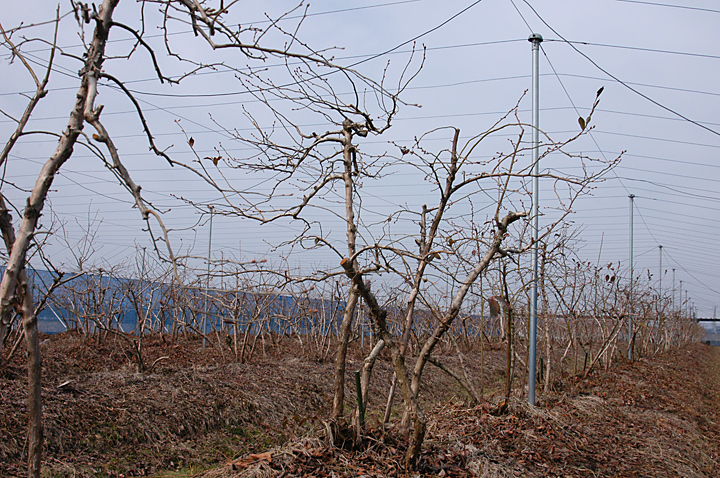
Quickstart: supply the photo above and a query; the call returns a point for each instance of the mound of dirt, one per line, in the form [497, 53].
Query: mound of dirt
[191, 411]
[105, 418]
[656, 417]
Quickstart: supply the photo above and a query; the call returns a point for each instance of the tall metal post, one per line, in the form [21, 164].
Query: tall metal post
[680, 302]
[632, 270]
[673, 292]
[207, 284]
[535, 39]
[660, 281]
[142, 296]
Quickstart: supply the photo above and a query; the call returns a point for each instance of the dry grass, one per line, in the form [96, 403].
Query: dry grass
[198, 413]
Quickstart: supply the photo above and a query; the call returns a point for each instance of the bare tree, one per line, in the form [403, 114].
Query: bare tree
[315, 163]
[444, 246]
[210, 23]
[477, 217]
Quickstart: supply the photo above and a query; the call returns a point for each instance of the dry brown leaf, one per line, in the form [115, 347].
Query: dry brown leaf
[251, 459]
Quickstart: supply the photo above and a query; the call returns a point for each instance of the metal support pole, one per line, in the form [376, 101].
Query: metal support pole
[142, 296]
[632, 270]
[660, 294]
[673, 292]
[660, 280]
[207, 284]
[535, 39]
[680, 302]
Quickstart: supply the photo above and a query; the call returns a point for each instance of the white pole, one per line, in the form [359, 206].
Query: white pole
[660, 281]
[632, 270]
[535, 39]
[142, 295]
[673, 292]
[207, 284]
[680, 302]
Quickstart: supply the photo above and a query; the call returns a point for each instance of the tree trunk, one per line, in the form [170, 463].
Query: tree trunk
[34, 401]
[510, 372]
[411, 404]
[457, 301]
[340, 356]
[366, 372]
[349, 161]
[14, 272]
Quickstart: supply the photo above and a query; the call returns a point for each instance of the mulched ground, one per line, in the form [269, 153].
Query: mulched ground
[199, 413]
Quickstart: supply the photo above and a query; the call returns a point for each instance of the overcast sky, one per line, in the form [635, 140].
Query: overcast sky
[658, 62]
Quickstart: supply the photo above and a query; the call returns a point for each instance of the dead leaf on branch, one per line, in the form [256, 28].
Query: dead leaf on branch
[215, 160]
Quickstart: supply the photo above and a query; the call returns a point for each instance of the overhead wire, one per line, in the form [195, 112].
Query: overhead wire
[567, 94]
[70, 73]
[657, 4]
[618, 80]
[665, 186]
[307, 14]
[666, 140]
[610, 133]
[650, 232]
[417, 37]
[651, 50]
[681, 266]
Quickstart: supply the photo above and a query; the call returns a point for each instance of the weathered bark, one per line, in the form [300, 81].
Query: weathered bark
[425, 245]
[365, 374]
[451, 314]
[482, 344]
[510, 371]
[14, 276]
[8, 231]
[341, 355]
[411, 405]
[368, 365]
[34, 402]
[548, 357]
[349, 161]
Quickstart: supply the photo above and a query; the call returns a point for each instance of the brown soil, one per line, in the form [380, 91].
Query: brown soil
[195, 412]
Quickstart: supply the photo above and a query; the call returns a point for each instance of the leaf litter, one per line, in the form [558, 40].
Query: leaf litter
[202, 415]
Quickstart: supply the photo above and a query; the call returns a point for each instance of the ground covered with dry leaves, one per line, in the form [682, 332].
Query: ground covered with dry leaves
[198, 413]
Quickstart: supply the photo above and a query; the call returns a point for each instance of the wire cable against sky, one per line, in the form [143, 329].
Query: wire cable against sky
[626, 85]
[656, 4]
[699, 282]
[445, 47]
[651, 50]
[620, 180]
[660, 185]
[590, 133]
[417, 37]
[679, 264]
[341, 10]
[521, 16]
